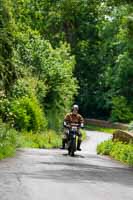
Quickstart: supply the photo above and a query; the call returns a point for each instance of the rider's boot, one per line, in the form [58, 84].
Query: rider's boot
[63, 143]
[78, 145]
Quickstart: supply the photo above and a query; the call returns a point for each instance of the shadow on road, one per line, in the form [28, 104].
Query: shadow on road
[76, 156]
[85, 173]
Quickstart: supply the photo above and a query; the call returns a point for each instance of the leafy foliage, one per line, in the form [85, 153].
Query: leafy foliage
[99, 35]
[27, 114]
[120, 110]
[7, 69]
[40, 140]
[54, 70]
[24, 113]
[118, 150]
[8, 140]
[45, 73]
[116, 56]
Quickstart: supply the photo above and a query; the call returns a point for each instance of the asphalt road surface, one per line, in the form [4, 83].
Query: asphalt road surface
[53, 175]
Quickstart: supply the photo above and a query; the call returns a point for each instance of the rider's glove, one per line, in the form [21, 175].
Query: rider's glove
[82, 125]
[65, 125]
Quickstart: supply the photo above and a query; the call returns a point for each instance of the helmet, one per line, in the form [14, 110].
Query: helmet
[75, 107]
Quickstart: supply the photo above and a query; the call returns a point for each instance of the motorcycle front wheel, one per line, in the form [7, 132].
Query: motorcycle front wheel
[72, 147]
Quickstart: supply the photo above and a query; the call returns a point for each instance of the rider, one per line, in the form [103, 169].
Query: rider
[76, 118]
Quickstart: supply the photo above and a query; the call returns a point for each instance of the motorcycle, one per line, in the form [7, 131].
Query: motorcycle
[72, 146]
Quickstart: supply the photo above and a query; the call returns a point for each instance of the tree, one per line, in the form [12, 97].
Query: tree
[7, 68]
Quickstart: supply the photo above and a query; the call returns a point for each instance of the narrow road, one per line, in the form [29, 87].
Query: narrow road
[50, 174]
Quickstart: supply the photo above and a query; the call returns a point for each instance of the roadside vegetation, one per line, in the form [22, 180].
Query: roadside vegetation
[8, 141]
[121, 151]
[84, 136]
[47, 140]
[100, 129]
[117, 150]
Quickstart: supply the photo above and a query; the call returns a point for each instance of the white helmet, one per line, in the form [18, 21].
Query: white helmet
[76, 107]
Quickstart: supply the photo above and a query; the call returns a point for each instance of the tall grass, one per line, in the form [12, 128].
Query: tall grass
[49, 139]
[101, 129]
[8, 140]
[118, 150]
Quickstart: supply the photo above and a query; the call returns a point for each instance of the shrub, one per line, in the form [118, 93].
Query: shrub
[28, 114]
[8, 140]
[50, 139]
[29, 87]
[121, 111]
[105, 147]
[23, 113]
[53, 67]
[118, 150]
[5, 113]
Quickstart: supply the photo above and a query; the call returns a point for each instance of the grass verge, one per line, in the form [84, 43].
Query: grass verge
[118, 150]
[83, 134]
[42, 140]
[47, 140]
[8, 140]
[101, 129]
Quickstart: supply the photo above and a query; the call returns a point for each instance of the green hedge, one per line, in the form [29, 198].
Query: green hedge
[117, 150]
[8, 140]
[23, 113]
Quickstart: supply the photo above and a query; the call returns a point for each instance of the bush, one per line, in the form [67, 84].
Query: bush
[118, 150]
[53, 67]
[121, 111]
[8, 140]
[50, 139]
[29, 87]
[105, 147]
[23, 113]
[28, 114]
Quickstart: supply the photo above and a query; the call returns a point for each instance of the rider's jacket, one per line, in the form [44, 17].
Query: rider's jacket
[74, 118]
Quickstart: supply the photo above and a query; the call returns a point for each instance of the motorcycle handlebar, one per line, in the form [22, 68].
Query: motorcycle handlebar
[70, 125]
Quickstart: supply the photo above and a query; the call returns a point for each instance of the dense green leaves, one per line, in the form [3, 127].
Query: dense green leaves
[121, 110]
[7, 69]
[8, 140]
[44, 73]
[53, 69]
[44, 44]
[117, 58]
[117, 150]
